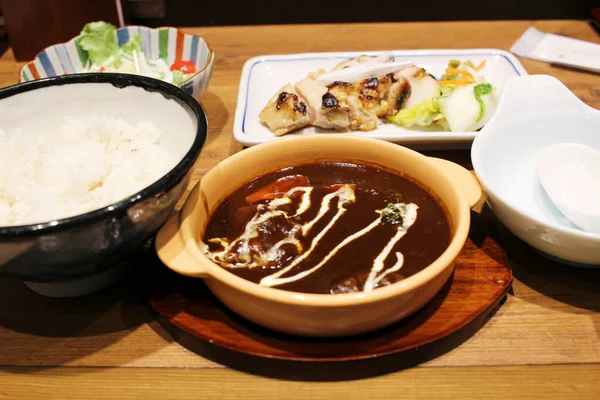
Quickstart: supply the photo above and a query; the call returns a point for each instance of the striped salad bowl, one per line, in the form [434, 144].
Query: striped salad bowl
[167, 43]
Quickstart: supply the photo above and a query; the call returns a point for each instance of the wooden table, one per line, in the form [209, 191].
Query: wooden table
[543, 342]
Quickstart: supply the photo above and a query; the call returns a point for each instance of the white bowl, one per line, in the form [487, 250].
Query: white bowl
[165, 42]
[535, 112]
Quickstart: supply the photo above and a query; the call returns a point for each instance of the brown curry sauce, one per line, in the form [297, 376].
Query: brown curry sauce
[347, 270]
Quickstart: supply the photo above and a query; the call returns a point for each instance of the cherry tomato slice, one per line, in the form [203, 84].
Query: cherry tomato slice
[187, 67]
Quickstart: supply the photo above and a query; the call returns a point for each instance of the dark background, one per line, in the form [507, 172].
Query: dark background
[215, 12]
[32, 25]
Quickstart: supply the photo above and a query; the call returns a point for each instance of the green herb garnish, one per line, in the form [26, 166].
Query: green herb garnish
[391, 215]
[478, 91]
[99, 39]
[446, 90]
[177, 77]
[449, 77]
[394, 197]
[134, 44]
[470, 64]
[453, 63]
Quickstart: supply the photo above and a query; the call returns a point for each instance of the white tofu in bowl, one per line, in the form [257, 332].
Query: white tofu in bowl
[534, 113]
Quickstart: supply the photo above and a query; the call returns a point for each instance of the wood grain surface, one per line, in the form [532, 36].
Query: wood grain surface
[187, 309]
[577, 382]
[543, 341]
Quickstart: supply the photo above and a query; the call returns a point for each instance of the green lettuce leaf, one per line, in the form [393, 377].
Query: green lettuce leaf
[134, 43]
[422, 114]
[99, 40]
[177, 77]
[446, 90]
[478, 91]
[470, 64]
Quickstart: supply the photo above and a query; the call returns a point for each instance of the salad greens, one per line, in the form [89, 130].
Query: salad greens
[178, 77]
[465, 110]
[99, 40]
[422, 114]
[134, 44]
[478, 91]
[470, 64]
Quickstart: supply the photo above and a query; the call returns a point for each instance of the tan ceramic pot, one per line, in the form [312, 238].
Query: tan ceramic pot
[318, 314]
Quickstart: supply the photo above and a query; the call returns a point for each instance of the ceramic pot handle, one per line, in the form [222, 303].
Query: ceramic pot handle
[173, 251]
[464, 178]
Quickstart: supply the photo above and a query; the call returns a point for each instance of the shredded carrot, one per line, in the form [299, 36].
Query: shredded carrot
[457, 82]
[481, 65]
[421, 75]
[462, 72]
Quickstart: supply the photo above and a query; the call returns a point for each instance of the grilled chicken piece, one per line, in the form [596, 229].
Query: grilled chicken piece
[422, 89]
[398, 95]
[408, 73]
[374, 93]
[377, 87]
[362, 59]
[365, 101]
[324, 110]
[423, 85]
[360, 108]
[285, 112]
[355, 106]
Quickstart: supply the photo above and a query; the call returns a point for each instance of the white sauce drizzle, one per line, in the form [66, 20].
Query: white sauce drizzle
[243, 251]
[409, 216]
[305, 202]
[345, 195]
[273, 279]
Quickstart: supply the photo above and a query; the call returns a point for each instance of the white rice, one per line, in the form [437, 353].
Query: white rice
[87, 164]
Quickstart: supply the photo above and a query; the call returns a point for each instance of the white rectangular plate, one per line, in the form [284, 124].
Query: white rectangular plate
[262, 76]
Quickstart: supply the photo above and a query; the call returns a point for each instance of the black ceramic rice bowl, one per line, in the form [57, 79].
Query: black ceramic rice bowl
[82, 249]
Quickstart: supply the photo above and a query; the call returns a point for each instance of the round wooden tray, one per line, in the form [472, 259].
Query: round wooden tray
[196, 319]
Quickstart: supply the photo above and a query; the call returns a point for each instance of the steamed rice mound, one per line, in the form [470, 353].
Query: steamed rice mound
[89, 163]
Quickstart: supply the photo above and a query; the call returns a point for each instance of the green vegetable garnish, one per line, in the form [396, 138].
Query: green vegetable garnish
[100, 41]
[449, 77]
[470, 64]
[445, 90]
[135, 43]
[478, 91]
[453, 63]
[391, 215]
[422, 114]
[395, 197]
[177, 77]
